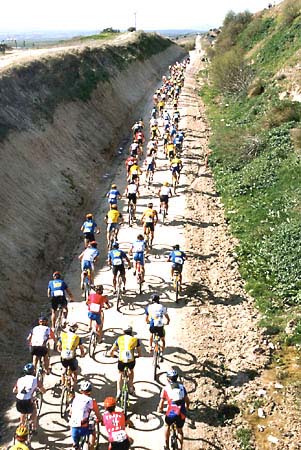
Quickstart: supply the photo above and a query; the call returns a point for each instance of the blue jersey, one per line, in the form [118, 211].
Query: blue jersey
[89, 226]
[113, 195]
[57, 288]
[117, 256]
[177, 257]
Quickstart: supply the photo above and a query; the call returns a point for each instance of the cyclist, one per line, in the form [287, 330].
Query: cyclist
[68, 342]
[155, 314]
[155, 133]
[175, 394]
[116, 259]
[166, 140]
[96, 302]
[134, 173]
[149, 219]
[131, 192]
[126, 344]
[134, 148]
[25, 388]
[89, 227]
[176, 166]
[135, 127]
[152, 147]
[150, 165]
[113, 219]
[113, 196]
[81, 408]
[137, 250]
[176, 117]
[57, 289]
[130, 161]
[88, 258]
[177, 257]
[21, 436]
[177, 142]
[170, 150]
[164, 193]
[38, 340]
[115, 423]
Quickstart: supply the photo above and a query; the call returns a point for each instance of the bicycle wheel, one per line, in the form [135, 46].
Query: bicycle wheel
[40, 371]
[130, 219]
[65, 399]
[139, 283]
[177, 290]
[87, 289]
[92, 344]
[39, 401]
[58, 324]
[119, 292]
[125, 402]
[174, 439]
[155, 361]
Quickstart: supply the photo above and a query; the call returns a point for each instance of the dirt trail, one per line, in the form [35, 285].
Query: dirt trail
[212, 335]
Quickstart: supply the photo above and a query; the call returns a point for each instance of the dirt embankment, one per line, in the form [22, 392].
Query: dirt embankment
[61, 120]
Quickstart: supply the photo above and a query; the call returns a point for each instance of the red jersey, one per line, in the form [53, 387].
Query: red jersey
[115, 426]
[96, 302]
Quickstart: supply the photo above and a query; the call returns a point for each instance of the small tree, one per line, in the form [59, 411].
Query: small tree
[290, 10]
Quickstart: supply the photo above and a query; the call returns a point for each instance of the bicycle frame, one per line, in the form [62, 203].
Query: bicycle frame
[174, 437]
[124, 399]
[139, 277]
[157, 354]
[177, 283]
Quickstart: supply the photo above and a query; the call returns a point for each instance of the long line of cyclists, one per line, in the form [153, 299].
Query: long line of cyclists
[166, 141]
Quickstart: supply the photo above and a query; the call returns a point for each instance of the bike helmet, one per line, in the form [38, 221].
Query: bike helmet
[114, 186]
[43, 319]
[28, 369]
[22, 431]
[150, 205]
[109, 402]
[89, 216]
[176, 247]
[93, 243]
[56, 274]
[155, 298]
[72, 326]
[85, 386]
[128, 329]
[99, 288]
[115, 245]
[172, 374]
[165, 183]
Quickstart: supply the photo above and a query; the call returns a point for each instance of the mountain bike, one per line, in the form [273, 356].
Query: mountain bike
[93, 340]
[125, 393]
[112, 237]
[163, 211]
[67, 395]
[37, 399]
[40, 369]
[177, 283]
[58, 326]
[157, 354]
[139, 277]
[85, 442]
[131, 212]
[87, 283]
[174, 445]
[149, 177]
[118, 291]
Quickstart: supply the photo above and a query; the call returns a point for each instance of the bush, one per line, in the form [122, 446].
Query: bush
[291, 9]
[230, 73]
[232, 27]
[284, 112]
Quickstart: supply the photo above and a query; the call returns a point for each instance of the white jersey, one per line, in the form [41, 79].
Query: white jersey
[134, 146]
[156, 313]
[40, 335]
[138, 247]
[132, 188]
[90, 254]
[81, 407]
[165, 190]
[26, 386]
[149, 160]
[153, 122]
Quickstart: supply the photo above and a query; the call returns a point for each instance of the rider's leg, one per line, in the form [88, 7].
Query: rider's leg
[166, 435]
[114, 281]
[119, 382]
[34, 418]
[46, 363]
[53, 318]
[131, 379]
[180, 436]
[34, 361]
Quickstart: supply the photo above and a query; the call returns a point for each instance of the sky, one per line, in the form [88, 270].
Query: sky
[34, 15]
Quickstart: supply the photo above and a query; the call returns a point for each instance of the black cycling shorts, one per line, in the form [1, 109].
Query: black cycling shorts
[58, 301]
[24, 406]
[177, 420]
[89, 236]
[164, 198]
[150, 225]
[39, 351]
[122, 365]
[133, 198]
[178, 267]
[72, 363]
[120, 268]
[159, 330]
[125, 445]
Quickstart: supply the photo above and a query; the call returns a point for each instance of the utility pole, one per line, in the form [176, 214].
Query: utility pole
[135, 20]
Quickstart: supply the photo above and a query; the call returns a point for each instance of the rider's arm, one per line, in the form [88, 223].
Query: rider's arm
[41, 387]
[48, 292]
[70, 294]
[128, 261]
[167, 318]
[138, 348]
[113, 349]
[96, 410]
[161, 404]
[82, 350]
[81, 256]
[97, 230]
[187, 401]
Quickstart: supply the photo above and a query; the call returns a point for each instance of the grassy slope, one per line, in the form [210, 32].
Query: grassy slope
[258, 172]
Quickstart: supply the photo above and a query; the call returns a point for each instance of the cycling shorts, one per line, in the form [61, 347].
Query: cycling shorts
[39, 351]
[77, 432]
[164, 199]
[139, 256]
[122, 365]
[133, 198]
[150, 168]
[159, 330]
[24, 406]
[134, 176]
[112, 226]
[94, 316]
[125, 445]
[112, 201]
[72, 363]
[58, 301]
[175, 169]
[178, 267]
[177, 420]
[120, 268]
[87, 265]
[150, 225]
[89, 236]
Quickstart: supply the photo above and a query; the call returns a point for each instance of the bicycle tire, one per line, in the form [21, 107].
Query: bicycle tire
[58, 324]
[64, 403]
[92, 344]
[86, 291]
[40, 371]
[177, 290]
[130, 219]
[119, 294]
[139, 282]
[39, 402]
[124, 402]
[155, 363]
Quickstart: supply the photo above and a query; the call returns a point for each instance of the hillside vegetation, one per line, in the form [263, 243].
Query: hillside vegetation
[252, 83]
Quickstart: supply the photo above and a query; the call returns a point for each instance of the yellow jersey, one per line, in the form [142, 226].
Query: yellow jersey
[113, 216]
[126, 345]
[175, 162]
[149, 215]
[135, 170]
[19, 446]
[70, 342]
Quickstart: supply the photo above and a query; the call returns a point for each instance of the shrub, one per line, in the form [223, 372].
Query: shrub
[291, 9]
[283, 112]
[230, 73]
[232, 26]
